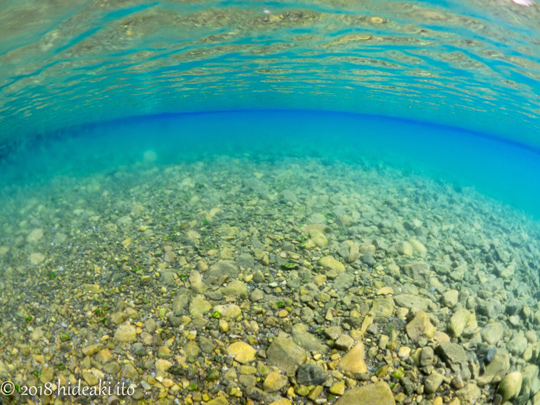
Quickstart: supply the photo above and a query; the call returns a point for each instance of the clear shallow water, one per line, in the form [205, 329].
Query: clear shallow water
[248, 202]
[499, 169]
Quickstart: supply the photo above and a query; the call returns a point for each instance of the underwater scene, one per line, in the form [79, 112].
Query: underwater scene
[270, 202]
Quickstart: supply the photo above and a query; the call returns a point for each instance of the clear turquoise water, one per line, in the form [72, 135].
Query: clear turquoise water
[505, 171]
[142, 142]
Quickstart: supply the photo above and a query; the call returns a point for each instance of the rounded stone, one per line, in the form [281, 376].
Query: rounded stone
[242, 352]
[510, 385]
[125, 333]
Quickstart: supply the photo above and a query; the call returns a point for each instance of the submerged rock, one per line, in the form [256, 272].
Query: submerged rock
[221, 271]
[495, 370]
[382, 307]
[353, 361]
[420, 327]
[510, 385]
[242, 352]
[285, 354]
[372, 394]
[310, 374]
[328, 262]
[125, 333]
[305, 339]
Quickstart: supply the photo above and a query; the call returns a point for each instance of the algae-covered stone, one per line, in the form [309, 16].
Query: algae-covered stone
[318, 238]
[353, 361]
[228, 310]
[470, 394]
[37, 258]
[329, 263]
[274, 382]
[242, 352]
[92, 349]
[420, 327]
[338, 388]
[495, 370]
[285, 354]
[162, 365]
[220, 400]
[350, 251]
[418, 247]
[221, 271]
[404, 248]
[90, 378]
[199, 306]
[196, 282]
[450, 298]
[412, 302]
[510, 385]
[458, 322]
[311, 374]
[307, 340]
[235, 288]
[282, 401]
[47, 375]
[181, 301]
[372, 394]
[452, 353]
[382, 307]
[320, 227]
[125, 333]
[518, 345]
[433, 382]
[35, 235]
[492, 333]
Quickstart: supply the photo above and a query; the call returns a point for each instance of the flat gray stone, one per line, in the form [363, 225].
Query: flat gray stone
[221, 271]
[452, 353]
[285, 354]
[372, 394]
[412, 302]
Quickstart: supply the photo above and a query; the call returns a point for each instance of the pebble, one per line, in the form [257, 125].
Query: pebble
[450, 298]
[433, 382]
[492, 333]
[404, 248]
[282, 401]
[353, 361]
[338, 388]
[285, 354]
[199, 306]
[307, 340]
[329, 263]
[242, 352]
[418, 247]
[458, 322]
[372, 394]
[318, 238]
[311, 374]
[37, 258]
[382, 307]
[344, 342]
[274, 382]
[420, 327]
[230, 311]
[35, 235]
[125, 333]
[510, 385]
[162, 365]
[495, 370]
[385, 291]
